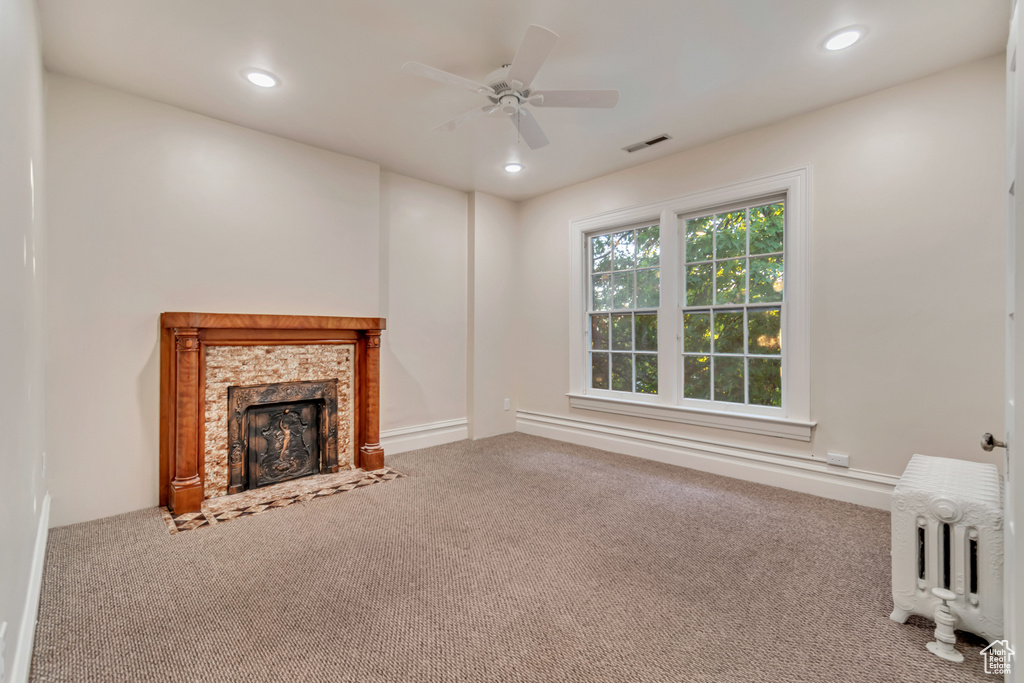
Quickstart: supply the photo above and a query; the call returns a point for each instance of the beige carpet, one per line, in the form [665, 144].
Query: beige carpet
[508, 559]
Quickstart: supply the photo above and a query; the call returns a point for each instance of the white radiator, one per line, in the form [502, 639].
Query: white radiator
[947, 532]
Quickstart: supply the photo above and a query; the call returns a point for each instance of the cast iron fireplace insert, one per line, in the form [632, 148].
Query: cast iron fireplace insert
[282, 431]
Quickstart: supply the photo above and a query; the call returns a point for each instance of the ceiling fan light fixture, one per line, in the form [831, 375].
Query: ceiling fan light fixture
[840, 40]
[261, 78]
[513, 167]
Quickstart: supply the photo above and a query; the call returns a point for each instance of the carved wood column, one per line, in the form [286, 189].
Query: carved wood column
[371, 455]
[186, 494]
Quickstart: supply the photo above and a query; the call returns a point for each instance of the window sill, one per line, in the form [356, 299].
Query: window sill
[784, 428]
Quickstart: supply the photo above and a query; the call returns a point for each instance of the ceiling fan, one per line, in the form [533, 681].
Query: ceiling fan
[508, 89]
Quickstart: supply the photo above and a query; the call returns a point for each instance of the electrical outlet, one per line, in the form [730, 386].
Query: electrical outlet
[508, 404]
[838, 460]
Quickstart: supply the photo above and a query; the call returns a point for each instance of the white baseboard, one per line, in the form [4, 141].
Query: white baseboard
[22, 660]
[803, 474]
[422, 436]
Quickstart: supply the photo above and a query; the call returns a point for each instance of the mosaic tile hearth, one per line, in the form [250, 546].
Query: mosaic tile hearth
[226, 508]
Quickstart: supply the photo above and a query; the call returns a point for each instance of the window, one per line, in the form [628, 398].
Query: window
[732, 305]
[695, 309]
[624, 297]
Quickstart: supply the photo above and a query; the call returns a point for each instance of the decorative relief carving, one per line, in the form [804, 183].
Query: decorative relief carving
[283, 443]
[265, 364]
[240, 436]
[186, 340]
[373, 339]
[947, 510]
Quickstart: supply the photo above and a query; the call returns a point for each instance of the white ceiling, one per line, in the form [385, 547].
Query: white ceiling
[697, 70]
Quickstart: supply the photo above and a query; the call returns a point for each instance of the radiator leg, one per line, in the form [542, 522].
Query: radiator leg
[945, 639]
[899, 615]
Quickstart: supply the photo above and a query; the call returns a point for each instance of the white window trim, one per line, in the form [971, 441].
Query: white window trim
[792, 421]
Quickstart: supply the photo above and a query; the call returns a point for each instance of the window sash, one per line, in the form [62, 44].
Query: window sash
[633, 272]
[745, 307]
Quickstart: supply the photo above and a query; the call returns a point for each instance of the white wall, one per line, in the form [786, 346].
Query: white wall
[22, 332]
[906, 267]
[155, 209]
[423, 352]
[494, 296]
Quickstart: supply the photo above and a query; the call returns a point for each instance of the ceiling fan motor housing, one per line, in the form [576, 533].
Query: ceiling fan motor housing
[509, 104]
[506, 95]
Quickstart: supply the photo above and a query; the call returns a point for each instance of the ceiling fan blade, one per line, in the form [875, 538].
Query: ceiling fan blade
[605, 99]
[529, 129]
[534, 49]
[430, 72]
[468, 116]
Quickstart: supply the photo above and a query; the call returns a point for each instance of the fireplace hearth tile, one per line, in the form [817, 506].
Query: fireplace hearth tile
[258, 501]
[168, 520]
[193, 524]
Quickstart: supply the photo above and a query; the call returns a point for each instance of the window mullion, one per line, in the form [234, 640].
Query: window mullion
[633, 302]
[714, 265]
[632, 344]
[746, 293]
[669, 369]
[711, 364]
[746, 301]
[746, 359]
[714, 300]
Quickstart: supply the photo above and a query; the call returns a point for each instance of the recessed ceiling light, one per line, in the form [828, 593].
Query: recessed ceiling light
[843, 39]
[513, 167]
[263, 79]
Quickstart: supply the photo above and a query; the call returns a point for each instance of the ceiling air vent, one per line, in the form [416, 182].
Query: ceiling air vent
[646, 143]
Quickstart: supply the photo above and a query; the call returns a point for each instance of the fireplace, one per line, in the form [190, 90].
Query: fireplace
[248, 401]
[282, 431]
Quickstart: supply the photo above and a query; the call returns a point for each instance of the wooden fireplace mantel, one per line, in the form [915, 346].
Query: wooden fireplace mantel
[183, 340]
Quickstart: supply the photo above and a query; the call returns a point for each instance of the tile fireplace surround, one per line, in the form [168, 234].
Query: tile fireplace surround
[202, 354]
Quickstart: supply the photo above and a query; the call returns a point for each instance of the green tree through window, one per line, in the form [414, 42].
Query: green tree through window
[624, 297]
[732, 308]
